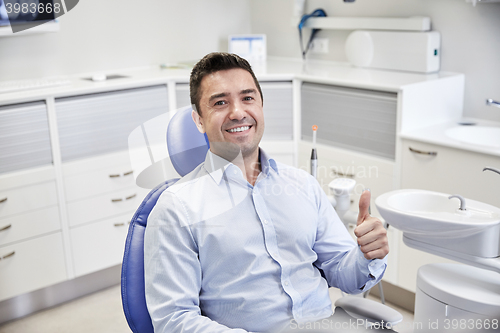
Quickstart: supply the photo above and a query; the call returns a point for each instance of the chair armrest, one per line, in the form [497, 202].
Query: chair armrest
[371, 311]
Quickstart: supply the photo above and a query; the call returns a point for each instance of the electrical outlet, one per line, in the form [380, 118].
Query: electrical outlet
[319, 45]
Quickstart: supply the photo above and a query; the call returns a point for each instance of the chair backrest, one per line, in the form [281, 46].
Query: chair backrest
[187, 149]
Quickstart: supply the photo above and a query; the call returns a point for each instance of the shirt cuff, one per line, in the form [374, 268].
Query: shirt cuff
[372, 269]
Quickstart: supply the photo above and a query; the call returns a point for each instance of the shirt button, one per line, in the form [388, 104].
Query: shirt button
[286, 283]
[235, 172]
[265, 221]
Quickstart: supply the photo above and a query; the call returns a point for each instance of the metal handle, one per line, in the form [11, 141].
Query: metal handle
[116, 200]
[3, 200]
[431, 153]
[6, 227]
[131, 196]
[116, 175]
[492, 169]
[341, 174]
[491, 102]
[8, 255]
[121, 224]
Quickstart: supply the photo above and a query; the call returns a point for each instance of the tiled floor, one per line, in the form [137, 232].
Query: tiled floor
[102, 313]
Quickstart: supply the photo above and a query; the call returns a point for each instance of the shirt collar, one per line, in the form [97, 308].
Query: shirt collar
[216, 165]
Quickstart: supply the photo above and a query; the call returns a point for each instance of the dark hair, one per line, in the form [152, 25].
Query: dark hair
[211, 63]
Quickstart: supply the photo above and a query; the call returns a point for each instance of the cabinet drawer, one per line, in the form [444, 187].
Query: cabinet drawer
[35, 264]
[99, 245]
[27, 198]
[105, 206]
[99, 182]
[32, 224]
[450, 171]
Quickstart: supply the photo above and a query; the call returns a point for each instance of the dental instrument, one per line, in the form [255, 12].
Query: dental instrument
[314, 155]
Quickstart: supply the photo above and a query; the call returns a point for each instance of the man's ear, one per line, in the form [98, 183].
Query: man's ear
[197, 121]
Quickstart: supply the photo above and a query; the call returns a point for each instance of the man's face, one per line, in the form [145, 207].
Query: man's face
[231, 113]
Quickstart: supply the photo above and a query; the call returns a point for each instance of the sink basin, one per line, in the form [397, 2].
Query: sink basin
[431, 218]
[477, 135]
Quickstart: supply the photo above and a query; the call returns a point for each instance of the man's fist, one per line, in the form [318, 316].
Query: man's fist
[372, 236]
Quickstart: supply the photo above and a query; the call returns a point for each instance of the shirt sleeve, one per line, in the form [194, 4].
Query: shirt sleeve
[173, 272]
[339, 257]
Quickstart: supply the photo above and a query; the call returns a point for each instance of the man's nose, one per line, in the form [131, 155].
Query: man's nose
[236, 111]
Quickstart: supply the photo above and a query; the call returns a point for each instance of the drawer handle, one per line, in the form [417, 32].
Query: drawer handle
[116, 175]
[342, 174]
[121, 224]
[116, 200]
[6, 227]
[131, 197]
[8, 255]
[431, 153]
[3, 200]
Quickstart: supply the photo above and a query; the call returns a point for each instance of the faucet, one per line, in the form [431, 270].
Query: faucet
[491, 102]
[462, 200]
[492, 169]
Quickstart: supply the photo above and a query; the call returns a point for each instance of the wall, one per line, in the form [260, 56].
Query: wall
[104, 35]
[470, 42]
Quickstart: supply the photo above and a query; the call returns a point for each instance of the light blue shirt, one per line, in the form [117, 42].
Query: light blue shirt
[222, 255]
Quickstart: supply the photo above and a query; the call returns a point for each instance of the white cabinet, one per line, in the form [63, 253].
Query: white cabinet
[31, 247]
[98, 179]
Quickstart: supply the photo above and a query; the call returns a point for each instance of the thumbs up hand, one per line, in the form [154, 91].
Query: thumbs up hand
[371, 234]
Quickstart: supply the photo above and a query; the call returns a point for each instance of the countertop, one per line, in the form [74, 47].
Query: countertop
[275, 69]
[436, 134]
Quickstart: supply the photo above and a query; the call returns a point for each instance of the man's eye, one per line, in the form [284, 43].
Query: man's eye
[220, 103]
[248, 98]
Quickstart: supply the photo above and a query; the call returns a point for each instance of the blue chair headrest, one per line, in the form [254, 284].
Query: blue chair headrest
[187, 147]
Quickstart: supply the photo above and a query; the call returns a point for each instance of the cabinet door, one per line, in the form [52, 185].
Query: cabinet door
[31, 265]
[355, 119]
[101, 123]
[99, 245]
[24, 136]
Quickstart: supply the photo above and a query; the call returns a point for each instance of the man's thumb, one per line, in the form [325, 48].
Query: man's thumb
[364, 206]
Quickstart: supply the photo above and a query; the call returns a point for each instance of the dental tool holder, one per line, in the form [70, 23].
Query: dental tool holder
[341, 189]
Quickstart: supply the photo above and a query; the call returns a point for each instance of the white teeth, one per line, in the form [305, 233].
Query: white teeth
[238, 129]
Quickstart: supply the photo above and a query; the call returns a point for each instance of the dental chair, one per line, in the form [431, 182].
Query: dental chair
[187, 148]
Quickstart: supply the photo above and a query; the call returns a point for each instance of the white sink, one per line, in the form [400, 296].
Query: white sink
[477, 135]
[431, 220]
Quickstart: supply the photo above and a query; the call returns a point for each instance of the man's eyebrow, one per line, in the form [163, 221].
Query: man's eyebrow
[248, 91]
[215, 96]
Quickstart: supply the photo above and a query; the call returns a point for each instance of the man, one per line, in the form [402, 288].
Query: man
[237, 245]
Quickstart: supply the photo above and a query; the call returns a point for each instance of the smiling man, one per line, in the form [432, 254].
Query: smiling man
[241, 242]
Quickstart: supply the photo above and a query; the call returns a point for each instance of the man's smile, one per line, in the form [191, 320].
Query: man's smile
[239, 129]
